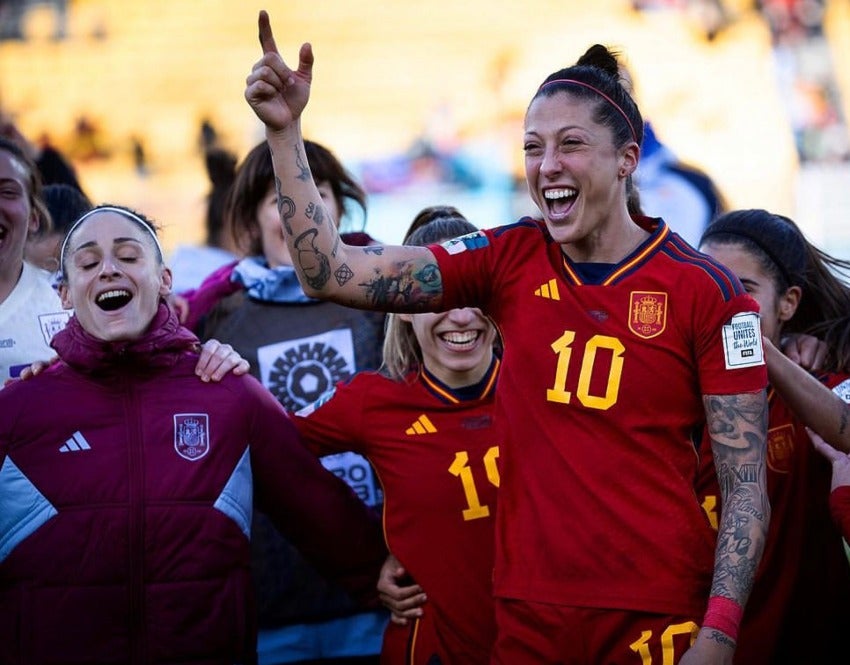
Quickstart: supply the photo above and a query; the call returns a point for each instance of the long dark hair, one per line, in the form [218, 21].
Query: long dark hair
[785, 254]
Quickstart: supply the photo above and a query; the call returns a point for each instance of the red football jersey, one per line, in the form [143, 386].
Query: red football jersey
[436, 453]
[600, 395]
[803, 569]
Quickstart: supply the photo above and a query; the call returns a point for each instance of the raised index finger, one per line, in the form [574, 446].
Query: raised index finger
[266, 37]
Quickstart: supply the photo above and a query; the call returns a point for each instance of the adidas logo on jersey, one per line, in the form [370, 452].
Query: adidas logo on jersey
[75, 444]
[549, 290]
[421, 426]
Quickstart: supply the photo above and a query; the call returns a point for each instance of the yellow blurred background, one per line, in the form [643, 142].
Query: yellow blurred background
[387, 73]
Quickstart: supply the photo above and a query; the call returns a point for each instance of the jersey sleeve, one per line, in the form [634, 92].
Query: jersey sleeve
[316, 511]
[467, 268]
[476, 267]
[728, 346]
[333, 423]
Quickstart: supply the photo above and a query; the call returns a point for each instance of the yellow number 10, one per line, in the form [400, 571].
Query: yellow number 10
[559, 393]
[460, 468]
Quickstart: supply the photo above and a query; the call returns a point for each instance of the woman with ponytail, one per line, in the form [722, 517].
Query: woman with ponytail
[621, 342]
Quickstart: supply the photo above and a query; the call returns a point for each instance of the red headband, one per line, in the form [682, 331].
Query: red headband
[601, 94]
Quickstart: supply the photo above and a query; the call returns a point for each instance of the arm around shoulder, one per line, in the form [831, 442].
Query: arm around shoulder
[316, 511]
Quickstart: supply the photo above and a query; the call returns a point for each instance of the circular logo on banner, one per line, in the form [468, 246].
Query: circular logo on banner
[305, 372]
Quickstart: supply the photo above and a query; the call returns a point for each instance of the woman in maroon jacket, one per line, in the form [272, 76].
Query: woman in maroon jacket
[125, 513]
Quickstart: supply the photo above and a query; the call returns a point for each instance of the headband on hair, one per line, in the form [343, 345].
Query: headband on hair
[601, 94]
[121, 211]
[758, 241]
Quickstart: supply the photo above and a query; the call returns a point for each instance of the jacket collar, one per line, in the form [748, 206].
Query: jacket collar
[160, 346]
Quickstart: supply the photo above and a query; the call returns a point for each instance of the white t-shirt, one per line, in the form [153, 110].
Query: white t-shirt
[29, 318]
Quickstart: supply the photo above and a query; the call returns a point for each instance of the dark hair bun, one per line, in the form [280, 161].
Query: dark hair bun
[602, 58]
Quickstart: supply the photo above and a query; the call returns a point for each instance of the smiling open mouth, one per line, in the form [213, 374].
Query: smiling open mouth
[460, 340]
[560, 200]
[112, 300]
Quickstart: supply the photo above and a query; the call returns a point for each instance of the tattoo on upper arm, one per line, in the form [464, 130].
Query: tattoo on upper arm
[314, 264]
[301, 163]
[726, 414]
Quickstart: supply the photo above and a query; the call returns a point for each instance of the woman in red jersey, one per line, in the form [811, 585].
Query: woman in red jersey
[425, 422]
[620, 342]
[796, 613]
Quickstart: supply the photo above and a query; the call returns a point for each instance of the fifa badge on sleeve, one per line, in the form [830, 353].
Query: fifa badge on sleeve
[742, 343]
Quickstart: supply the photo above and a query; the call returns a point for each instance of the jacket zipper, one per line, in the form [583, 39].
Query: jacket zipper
[136, 535]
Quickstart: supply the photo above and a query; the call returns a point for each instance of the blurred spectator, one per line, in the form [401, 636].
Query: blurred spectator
[806, 78]
[66, 204]
[190, 264]
[13, 13]
[682, 194]
[52, 165]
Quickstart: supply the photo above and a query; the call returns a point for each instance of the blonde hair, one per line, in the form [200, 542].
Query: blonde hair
[402, 353]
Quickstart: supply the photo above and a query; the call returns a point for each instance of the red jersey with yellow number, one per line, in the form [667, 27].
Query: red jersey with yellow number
[436, 453]
[600, 396]
[803, 568]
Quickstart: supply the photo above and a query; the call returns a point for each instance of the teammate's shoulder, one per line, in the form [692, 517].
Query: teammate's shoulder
[522, 225]
[699, 266]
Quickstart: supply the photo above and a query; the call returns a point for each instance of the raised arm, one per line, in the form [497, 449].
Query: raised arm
[374, 277]
[815, 404]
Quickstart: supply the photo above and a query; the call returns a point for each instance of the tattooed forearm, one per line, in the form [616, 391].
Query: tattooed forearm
[315, 212]
[285, 207]
[722, 638]
[738, 428]
[378, 250]
[343, 274]
[301, 163]
[315, 266]
[740, 541]
[412, 287]
[730, 476]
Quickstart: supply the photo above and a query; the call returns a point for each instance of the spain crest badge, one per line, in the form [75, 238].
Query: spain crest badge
[648, 313]
[191, 435]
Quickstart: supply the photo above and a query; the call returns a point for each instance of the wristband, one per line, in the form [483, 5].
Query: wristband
[723, 614]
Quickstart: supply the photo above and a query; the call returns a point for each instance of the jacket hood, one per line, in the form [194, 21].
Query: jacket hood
[164, 342]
